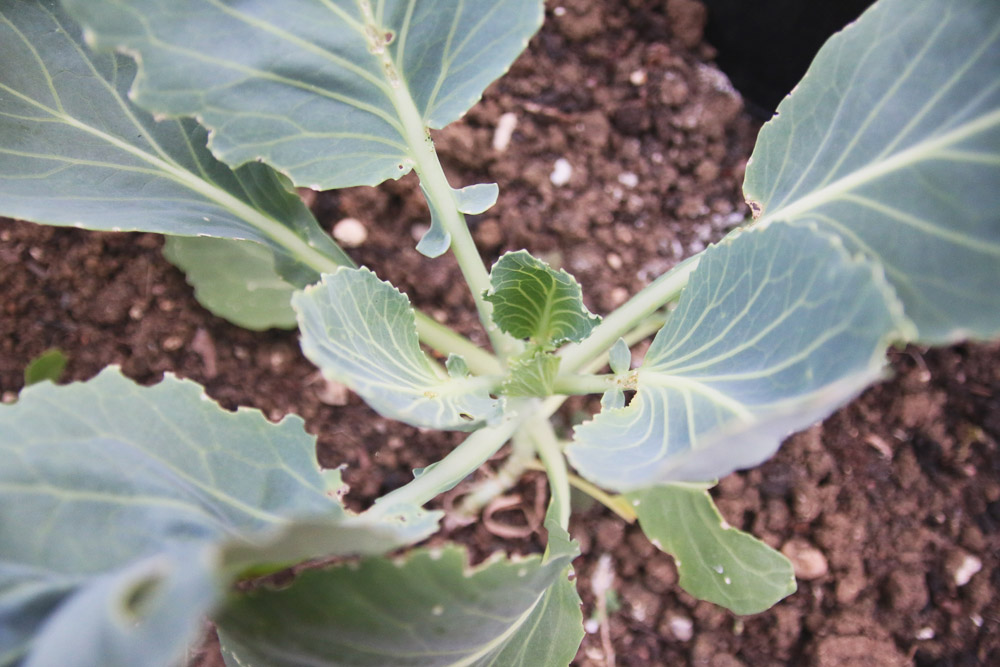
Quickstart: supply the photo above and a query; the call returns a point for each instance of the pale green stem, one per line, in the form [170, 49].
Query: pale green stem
[442, 200]
[552, 458]
[521, 455]
[443, 339]
[617, 504]
[661, 291]
[571, 385]
[452, 469]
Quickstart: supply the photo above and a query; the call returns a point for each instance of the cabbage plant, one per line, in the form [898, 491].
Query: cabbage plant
[128, 513]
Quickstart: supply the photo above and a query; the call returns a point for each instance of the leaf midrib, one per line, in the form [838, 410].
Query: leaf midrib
[267, 226]
[918, 152]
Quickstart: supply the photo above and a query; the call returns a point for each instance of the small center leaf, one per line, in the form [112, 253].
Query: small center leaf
[535, 302]
[532, 376]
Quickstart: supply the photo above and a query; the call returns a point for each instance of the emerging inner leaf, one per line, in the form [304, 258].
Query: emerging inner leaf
[535, 302]
[362, 332]
[534, 375]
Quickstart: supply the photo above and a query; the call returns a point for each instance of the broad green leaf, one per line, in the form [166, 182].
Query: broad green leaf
[235, 280]
[74, 151]
[49, 365]
[892, 141]
[533, 301]
[715, 561]
[362, 332]
[427, 608]
[133, 507]
[776, 329]
[333, 93]
[532, 376]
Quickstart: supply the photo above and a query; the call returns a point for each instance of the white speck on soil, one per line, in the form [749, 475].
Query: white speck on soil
[506, 125]
[628, 179]
[808, 562]
[968, 567]
[350, 232]
[681, 627]
[418, 230]
[562, 171]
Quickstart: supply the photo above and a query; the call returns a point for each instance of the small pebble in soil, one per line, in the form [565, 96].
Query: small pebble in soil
[506, 125]
[681, 627]
[562, 171]
[963, 566]
[331, 392]
[808, 562]
[173, 343]
[418, 230]
[628, 179]
[350, 232]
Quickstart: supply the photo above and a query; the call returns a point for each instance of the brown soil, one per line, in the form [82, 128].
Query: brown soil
[882, 507]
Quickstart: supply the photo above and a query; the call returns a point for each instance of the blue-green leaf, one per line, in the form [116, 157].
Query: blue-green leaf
[533, 301]
[620, 358]
[75, 151]
[362, 332]
[127, 510]
[892, 141]
[428, 608]
[715, 561]
[235, 280]
[776, 329]
[326, 91]
[475, 199]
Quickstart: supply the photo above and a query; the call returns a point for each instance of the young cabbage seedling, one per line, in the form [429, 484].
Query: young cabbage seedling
[127, 512]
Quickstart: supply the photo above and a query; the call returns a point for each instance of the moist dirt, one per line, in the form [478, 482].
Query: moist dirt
[619, 149]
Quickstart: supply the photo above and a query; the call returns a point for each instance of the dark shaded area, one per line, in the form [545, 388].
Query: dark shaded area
[766, 46]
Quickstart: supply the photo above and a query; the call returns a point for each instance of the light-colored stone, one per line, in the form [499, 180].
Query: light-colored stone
[808, 562]
[350, 232]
